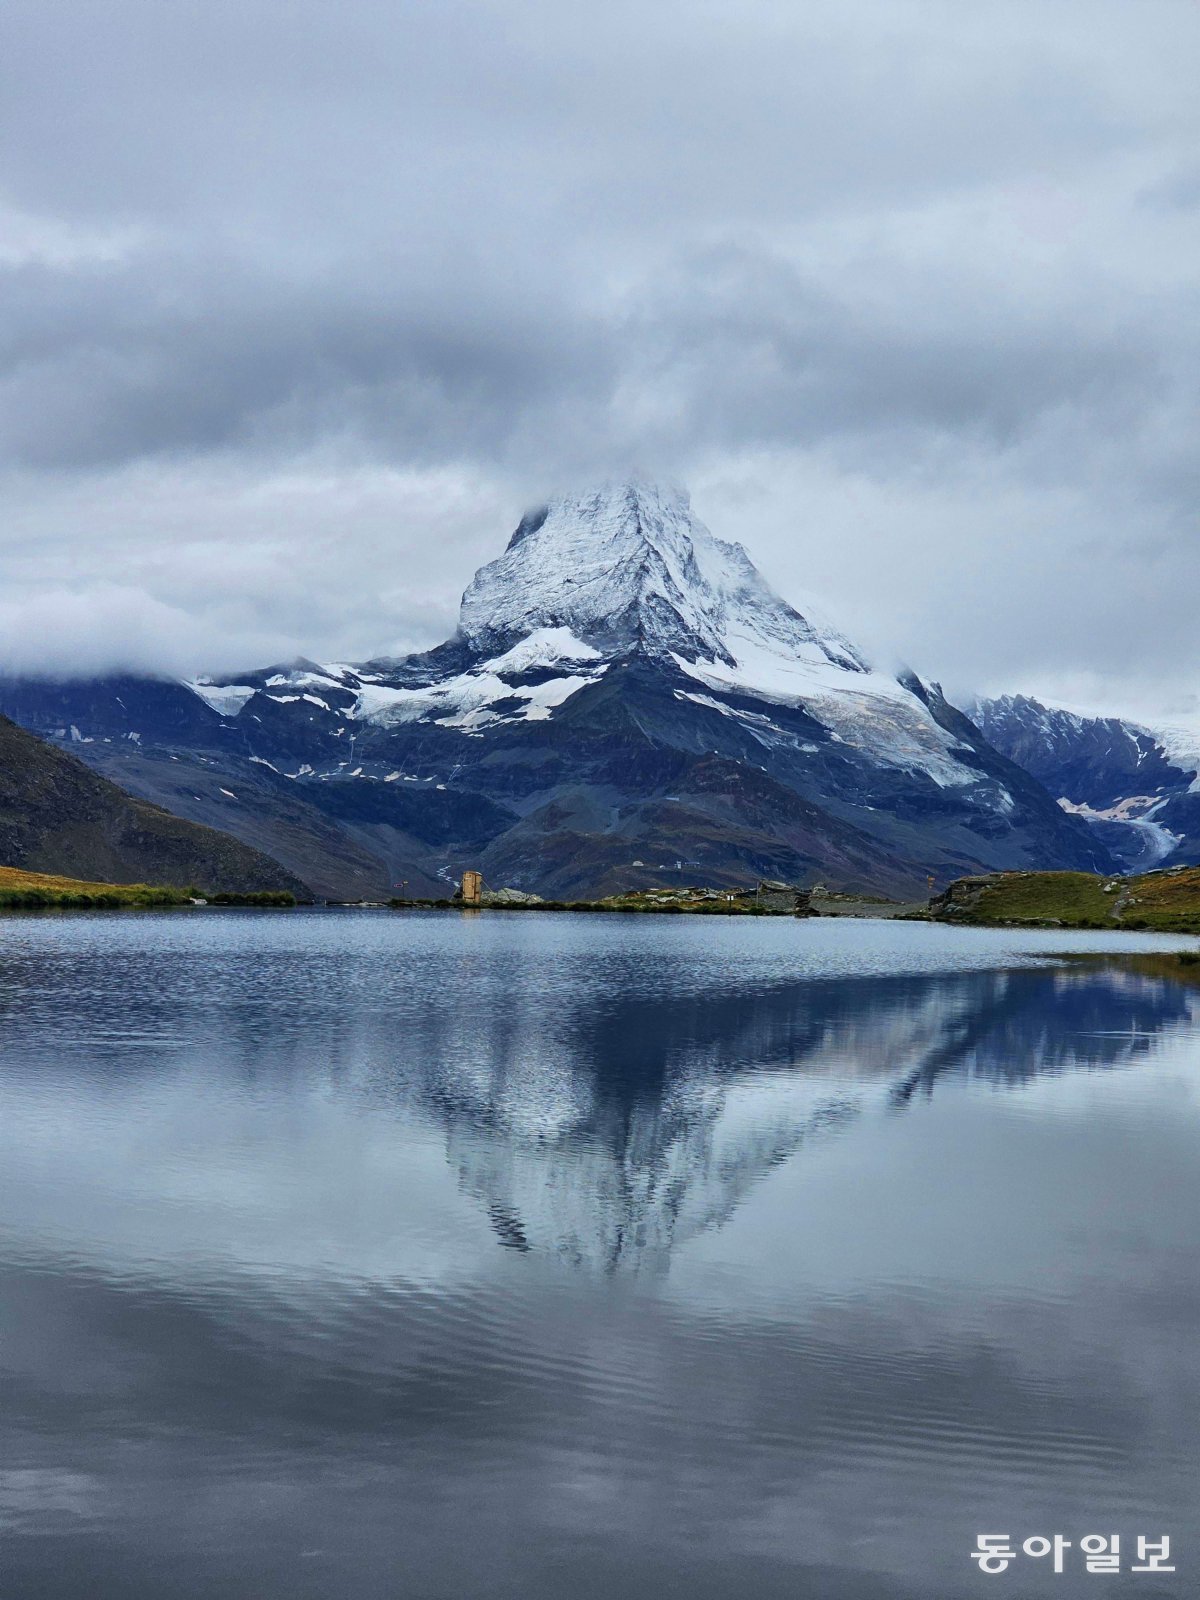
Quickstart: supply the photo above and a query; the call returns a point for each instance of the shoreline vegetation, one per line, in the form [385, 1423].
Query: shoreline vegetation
[43, 891]
[1166, 901]
[766, 899]
[698, 902]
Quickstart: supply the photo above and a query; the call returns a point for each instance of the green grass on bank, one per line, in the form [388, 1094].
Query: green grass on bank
[43, 891]
[1075, 899]
[33, 891]
[1166, 902]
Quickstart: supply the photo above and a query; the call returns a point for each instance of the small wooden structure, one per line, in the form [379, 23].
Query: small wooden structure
[471, 888]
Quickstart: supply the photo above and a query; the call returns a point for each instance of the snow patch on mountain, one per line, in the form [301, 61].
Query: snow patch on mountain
[226, 699]
[757, 721]
[865, 709]
[540, 700]
[1137, 811]
[484, 695]
[300, 680]
[544, 647]
[306, 678]
[1181, 745]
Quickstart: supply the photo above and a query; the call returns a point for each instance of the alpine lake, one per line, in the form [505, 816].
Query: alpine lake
[369, 1255]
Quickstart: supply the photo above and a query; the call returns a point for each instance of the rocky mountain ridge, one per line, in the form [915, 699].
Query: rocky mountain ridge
[1137, 786]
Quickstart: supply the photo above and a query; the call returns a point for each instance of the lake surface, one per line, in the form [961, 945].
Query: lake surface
[356, 1254]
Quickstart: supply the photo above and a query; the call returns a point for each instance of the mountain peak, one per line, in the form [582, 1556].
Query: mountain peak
[643, 508]
[627, 566]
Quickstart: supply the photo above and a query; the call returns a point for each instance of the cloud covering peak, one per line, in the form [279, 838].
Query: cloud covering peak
[301, 311]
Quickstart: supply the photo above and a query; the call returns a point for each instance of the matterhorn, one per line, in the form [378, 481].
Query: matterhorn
[625, 702]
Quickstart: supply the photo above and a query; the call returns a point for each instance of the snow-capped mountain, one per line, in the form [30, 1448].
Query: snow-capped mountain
[633, 564]
[625, 701]
[1137, 786]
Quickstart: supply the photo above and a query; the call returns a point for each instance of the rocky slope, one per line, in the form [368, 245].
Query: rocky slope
[58, 816]
[625, 702]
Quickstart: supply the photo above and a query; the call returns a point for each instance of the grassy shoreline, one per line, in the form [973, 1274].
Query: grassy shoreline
[1166, 901]
[704, 902]
[700, 910]
[44, 891]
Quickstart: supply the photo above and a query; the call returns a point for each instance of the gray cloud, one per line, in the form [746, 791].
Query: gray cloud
[303, 308]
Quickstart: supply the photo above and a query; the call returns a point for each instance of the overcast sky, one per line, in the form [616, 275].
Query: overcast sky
[303, 303]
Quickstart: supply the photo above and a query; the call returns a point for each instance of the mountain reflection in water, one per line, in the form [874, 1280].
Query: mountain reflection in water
[528, 1256]
[637, 1130]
